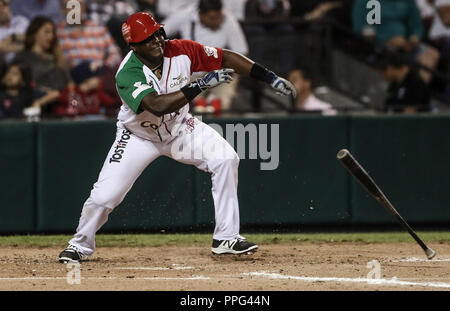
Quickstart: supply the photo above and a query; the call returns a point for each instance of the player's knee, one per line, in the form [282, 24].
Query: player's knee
[107, 199]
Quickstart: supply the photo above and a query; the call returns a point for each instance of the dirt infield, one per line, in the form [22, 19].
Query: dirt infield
[299, 266]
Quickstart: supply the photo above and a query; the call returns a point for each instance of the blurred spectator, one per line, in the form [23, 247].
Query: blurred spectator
[165, 8]
[111, 14]
[15, 91]
[271, 9]
[265, 19]
[440, 26]
[87, 41]
[208, 24]
[12, 32]
[101, 11]
[45, 59]
[439, 35]
[236, 8]
[407, 92]
[314, 9]
[305, 100]
[211, 26]
[400, 29]
[87, 97]
[426, 8]
[150, 6]
[33, 8]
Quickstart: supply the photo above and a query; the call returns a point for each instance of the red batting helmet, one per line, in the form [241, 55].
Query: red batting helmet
[139, 27]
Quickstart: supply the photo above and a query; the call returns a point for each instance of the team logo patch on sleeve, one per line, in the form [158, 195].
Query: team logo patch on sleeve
[211, 51]
[139, 88]
[190, 125]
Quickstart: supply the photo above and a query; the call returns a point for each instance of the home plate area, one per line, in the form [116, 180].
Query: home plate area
[284, 267]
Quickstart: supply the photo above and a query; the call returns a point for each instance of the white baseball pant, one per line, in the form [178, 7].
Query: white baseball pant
[130, 155]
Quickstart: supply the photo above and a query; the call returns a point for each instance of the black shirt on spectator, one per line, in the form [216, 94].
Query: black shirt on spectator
[411, 92]
[11, 106]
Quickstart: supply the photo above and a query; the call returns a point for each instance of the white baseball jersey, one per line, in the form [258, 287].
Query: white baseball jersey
[182, 60]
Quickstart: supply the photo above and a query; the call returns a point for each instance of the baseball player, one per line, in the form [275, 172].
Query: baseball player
[156, 81]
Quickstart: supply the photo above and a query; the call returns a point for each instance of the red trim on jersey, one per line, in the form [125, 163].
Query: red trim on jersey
[167, 129]
[201, 57]
[168, 73]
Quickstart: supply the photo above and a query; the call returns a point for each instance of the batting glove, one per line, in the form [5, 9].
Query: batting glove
[211, 79]
[214, 78]
[283, 87]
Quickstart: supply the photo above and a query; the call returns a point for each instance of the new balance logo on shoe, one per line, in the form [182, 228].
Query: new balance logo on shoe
[234, 246]
[229, 243]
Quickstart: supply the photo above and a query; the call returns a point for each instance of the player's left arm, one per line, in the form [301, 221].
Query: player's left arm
[246, 67]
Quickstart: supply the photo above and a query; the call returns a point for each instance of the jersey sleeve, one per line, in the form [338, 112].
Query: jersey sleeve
[203, 58]
[132, 87]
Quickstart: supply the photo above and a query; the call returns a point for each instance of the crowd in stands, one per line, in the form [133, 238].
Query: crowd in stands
[52, 67]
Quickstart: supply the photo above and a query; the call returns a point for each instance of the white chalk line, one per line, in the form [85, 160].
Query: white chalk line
[418, 259]
[173, 267]
[43, 278]
[197, 277]
[425, 278]
[154, 268]
[391, 282]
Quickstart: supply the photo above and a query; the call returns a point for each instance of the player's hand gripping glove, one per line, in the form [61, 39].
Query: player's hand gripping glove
[210, 80]
[280, 85]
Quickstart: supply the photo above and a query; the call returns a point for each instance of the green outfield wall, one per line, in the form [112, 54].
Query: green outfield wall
[17, 177]
[48, 169]
[409, 158]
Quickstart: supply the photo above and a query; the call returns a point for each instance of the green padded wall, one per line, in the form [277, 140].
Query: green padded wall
[48, 169]
[409, 159]
[70, 157]
[308, 187]
[161, 198]
[17, 177]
